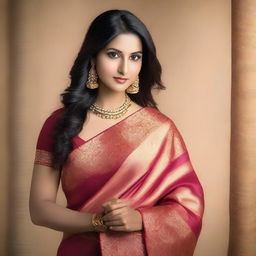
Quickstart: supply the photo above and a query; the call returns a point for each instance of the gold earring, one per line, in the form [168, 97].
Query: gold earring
[134, 87]
[92, 79]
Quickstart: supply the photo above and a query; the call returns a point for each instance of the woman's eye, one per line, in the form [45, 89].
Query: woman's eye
[113, 54]
[135, 57]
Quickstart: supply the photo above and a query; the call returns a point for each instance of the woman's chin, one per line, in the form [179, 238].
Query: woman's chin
[116, 89]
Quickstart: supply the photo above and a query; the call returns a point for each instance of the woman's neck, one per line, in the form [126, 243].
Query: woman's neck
[110, 100]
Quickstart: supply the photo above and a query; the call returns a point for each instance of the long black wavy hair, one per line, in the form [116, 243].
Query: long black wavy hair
[77, 98]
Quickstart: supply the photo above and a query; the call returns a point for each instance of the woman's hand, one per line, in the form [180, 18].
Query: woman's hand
[120, 217]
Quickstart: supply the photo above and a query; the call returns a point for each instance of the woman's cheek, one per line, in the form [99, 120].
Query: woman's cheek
[136, 70]
[109, 69]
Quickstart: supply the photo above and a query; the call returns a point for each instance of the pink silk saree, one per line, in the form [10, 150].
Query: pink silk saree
[143, 160]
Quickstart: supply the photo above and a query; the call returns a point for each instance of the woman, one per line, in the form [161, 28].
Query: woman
[123, 165]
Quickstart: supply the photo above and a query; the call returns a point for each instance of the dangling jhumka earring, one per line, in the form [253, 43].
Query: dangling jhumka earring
[92, 81]
[134, 87]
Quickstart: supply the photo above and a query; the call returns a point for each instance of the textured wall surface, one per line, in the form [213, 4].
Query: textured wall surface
[4, 146]
[243, 139]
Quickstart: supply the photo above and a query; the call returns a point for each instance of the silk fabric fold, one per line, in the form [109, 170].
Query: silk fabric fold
[143, 160]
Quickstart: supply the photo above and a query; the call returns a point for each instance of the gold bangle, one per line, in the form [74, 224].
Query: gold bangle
[97, 223]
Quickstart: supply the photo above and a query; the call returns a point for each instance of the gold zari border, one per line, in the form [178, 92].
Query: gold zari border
[43, 157]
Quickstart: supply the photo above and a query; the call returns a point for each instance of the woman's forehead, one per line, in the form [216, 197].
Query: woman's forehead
[126, 43]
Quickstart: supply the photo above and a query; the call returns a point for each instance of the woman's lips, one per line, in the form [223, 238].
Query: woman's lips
[120, 80]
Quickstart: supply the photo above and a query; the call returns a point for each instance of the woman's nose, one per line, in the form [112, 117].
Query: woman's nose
[123, 67]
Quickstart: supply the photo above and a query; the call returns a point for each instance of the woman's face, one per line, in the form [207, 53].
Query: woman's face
[119, 63]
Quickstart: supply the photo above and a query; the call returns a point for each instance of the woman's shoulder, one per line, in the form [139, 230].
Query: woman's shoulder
[55, 114]
[159, 116]
[161, 119]
[52, 119]
[48, 127]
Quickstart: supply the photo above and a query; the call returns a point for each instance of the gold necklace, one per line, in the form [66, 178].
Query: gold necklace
[111, 113]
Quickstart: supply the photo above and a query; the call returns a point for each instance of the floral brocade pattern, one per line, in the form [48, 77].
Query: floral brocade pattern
[115, 243]
[167, 225]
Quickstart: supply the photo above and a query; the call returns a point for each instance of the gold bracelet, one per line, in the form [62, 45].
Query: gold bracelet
[97, 223]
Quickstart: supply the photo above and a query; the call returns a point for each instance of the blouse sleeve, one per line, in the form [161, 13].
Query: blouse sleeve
[43, 155]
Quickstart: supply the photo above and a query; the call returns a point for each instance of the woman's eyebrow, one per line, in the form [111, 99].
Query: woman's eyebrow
[140, 52]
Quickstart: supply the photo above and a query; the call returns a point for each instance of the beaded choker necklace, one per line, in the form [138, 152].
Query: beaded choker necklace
[111, 113]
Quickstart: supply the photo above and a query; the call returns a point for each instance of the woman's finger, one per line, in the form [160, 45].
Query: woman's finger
[111, 207]
[113, 215]
[118, 228]
[114, 223]
[112, 201]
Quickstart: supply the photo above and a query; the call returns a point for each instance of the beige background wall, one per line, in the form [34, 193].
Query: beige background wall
[194, 48]
[4, 74]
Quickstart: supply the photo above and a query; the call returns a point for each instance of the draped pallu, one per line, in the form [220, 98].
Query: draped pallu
[144, 161]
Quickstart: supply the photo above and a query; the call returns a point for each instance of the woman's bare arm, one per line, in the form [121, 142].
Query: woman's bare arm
[43, 208]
